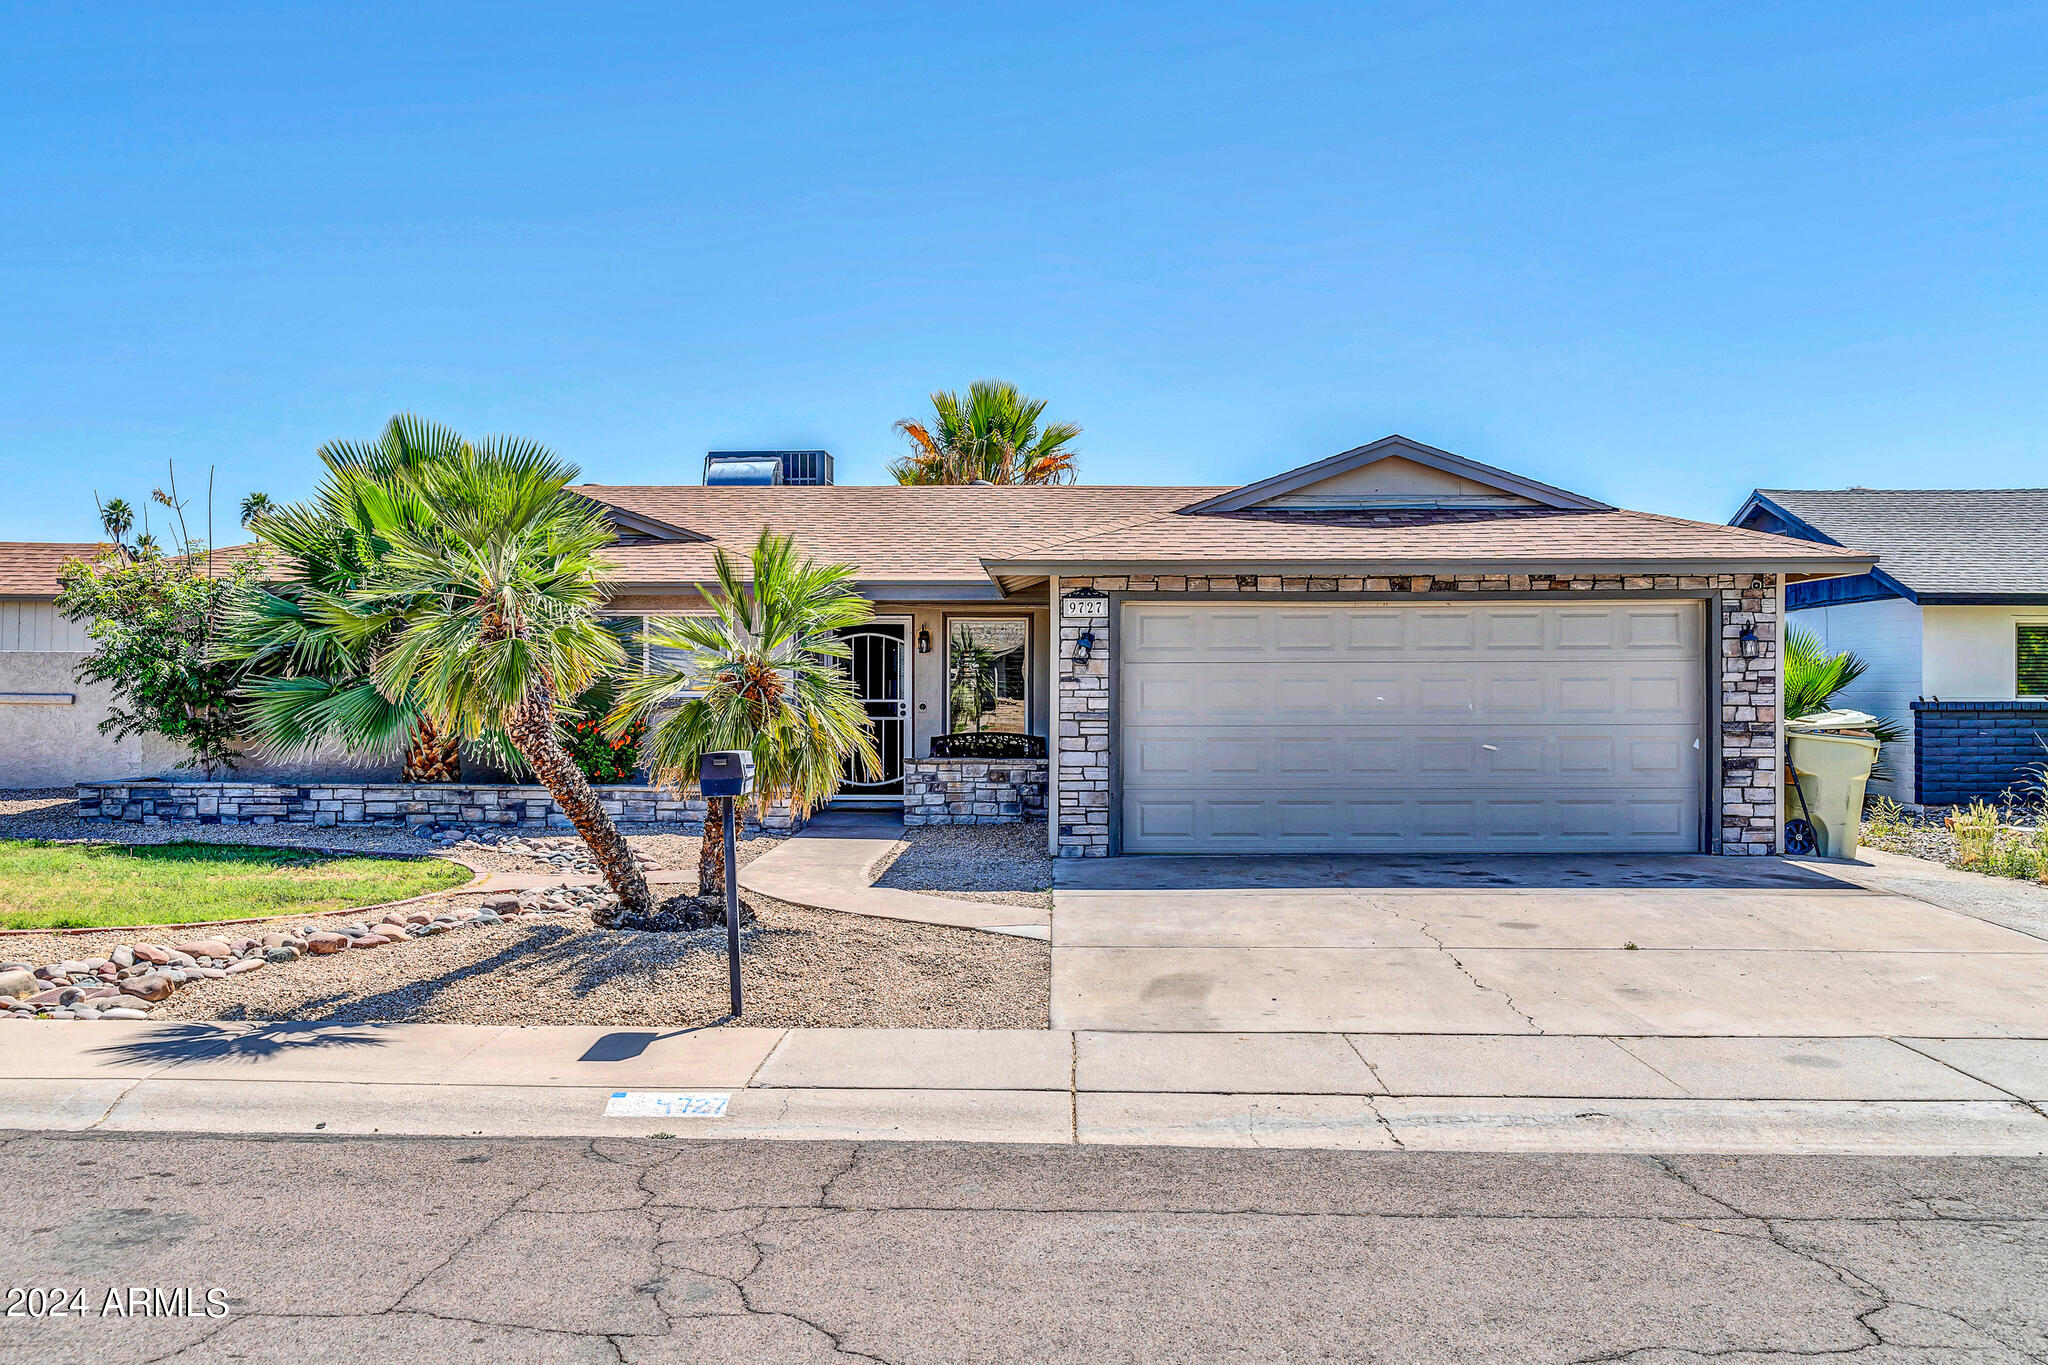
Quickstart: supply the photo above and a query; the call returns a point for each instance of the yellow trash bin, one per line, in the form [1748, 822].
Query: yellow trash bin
[1831, 757]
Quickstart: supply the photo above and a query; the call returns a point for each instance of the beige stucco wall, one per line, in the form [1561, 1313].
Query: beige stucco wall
[45, 745]
[54, 746]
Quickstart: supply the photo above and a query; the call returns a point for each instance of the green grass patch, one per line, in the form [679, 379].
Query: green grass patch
[47, 885]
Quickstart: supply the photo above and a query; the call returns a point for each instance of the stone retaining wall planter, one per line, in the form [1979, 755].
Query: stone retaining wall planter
[381, 806]
[973, 791]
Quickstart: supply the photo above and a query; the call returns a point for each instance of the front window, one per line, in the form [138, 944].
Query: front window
[2032, 670]
[987, 663]
[643, 656]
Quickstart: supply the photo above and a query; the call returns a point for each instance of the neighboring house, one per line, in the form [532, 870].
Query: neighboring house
[1394, 649]
[49, 721]
[1953, 622]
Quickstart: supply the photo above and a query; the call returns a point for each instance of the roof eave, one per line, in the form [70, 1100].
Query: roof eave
[874, 589]
[1379, 567]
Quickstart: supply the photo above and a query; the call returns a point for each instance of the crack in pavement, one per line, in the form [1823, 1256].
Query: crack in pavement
[1423, 926]
[1852, 1280]
[830, 1208]
[2016, 1096]
[1372, 1102]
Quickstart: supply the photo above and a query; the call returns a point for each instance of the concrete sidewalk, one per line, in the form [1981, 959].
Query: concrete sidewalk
[1365, 1091]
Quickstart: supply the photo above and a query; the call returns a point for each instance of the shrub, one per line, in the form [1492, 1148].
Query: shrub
[151, 621]
[601, 757]
[1976, 830]
[1882, 818]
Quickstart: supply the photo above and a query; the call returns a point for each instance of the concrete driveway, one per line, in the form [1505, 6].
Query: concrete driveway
[1595, 945]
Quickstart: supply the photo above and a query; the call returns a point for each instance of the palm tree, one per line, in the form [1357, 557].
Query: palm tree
[117, 519]
[760, 674]
[308, 665]
[254, 506]
[490, 601]
[992, 436]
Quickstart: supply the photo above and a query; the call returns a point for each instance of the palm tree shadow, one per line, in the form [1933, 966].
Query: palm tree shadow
[210, 1042]
[583, 957]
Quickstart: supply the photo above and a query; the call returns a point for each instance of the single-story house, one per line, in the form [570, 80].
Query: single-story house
[1391, 649]
[1952, 621]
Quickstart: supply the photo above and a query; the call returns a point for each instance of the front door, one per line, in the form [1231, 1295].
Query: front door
[881, 679]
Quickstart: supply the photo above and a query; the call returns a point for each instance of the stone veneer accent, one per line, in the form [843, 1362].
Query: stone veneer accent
[973, 791]
[1748, 815]
[1976, 750]
[385, 806]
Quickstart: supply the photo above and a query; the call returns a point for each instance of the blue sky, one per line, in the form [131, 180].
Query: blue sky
[1656, 253]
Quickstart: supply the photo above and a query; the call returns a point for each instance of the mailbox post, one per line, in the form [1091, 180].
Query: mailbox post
[725, 776]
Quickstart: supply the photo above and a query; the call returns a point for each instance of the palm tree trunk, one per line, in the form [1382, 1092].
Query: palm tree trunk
[712, 854]
[532, 731]
[432, 756]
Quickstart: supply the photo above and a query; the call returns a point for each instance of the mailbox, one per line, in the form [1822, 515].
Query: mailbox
[729, 772]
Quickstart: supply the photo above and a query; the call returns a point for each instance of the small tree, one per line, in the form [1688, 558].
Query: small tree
[152, 622]
[761, 673]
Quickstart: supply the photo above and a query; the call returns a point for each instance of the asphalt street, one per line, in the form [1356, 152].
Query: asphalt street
[410, 1249]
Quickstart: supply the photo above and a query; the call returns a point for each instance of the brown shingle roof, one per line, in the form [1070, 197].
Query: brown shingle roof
[1533, 536]
[898, 535]
[28, 568]
[892, 534]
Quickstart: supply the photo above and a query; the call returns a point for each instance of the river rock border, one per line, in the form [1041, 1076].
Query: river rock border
[135, 977]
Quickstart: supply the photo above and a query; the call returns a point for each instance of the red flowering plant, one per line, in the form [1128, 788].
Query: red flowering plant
[603, 758]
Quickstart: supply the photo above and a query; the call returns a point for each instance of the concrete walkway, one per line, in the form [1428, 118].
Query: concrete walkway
[831, 866]
[1321, 1090]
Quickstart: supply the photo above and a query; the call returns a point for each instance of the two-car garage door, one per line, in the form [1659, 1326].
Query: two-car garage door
[1445, 726]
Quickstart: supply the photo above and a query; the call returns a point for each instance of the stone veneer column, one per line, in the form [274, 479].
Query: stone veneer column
[1750, 777]
[1080, 750]
[1747, 823]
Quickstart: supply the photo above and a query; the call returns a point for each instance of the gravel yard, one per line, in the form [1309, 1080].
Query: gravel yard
[1002, 864]
[803, 969]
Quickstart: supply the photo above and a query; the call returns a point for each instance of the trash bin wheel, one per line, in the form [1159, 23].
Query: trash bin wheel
[1800, 837]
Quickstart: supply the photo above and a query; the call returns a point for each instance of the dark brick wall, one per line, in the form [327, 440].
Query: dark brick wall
[1964, 750]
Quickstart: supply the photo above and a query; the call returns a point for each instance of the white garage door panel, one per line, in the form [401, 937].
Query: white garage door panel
[1220, 634]
[1453, 727]
[1329, 691]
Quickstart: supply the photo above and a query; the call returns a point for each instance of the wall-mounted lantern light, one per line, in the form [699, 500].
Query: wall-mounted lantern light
[1084, 646]
[924, 639]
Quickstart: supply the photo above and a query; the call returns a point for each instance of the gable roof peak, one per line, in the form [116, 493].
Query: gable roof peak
[1414, 475]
